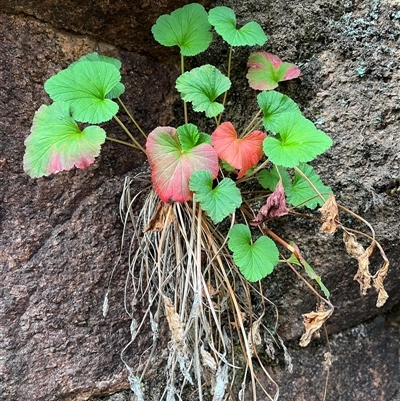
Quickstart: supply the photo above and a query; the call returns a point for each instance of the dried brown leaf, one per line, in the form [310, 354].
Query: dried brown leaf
[363, 276]
[378, 284]
[175, 325]
[254, 337]
[162, 217]
[312, 322]
[357, 251]
[330, 216]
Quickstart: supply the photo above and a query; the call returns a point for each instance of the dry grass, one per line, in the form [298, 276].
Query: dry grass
[183, 275]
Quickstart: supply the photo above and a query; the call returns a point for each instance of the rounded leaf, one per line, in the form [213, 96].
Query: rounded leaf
[274, 105]
[202, 86]
[255, 260]
[266, 70]
[186, 27]
[298, 141]
[218, 202]
[84, 86]
[56, 143]
[224, 21]
[172, 166]
[241, 153]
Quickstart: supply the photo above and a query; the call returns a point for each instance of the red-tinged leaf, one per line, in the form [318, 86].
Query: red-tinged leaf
[240, 153]
[172, 167]
[56, 142]
[266, 70]
[274, 207]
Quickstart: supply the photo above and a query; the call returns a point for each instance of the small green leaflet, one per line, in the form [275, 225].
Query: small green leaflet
[119, 88]
[218, 202]
[224, 21]
[298, 141]
[84, 87]
[255, 260]
[269, 179]
[274, 106]
[202, 86]
[189, 137]
[300, 193]
[186, 27]
[311, 273]
[56, 143]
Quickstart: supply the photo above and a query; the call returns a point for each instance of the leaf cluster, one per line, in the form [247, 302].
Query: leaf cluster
[188, 164]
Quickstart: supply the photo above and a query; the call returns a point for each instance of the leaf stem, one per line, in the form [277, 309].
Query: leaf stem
[252, 124]
[218, 121]
[185, 112]
[109, 138]
[255, 171]
[310, 183]
[137, 144]
[132, 119]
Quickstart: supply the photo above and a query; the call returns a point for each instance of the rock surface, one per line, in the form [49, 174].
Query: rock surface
[60, 236]
[125, 24]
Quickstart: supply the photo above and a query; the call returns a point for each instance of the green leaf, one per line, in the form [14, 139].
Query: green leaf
[274, 106]
[311, 273]
[269, 179]
[119, 88]
[99, 57]
[255, 260]
[189, 137]
[56, 143]
[300, 193]
[84, 87]
[202, 86]
[298, 141]
[218, 202]
[186, 27]
[224, 21]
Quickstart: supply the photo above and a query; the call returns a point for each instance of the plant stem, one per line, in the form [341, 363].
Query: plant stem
[218, 121]
[109, 138]
[252, 124]
[185, 113]
[137, 144]
[132, 119]
[255, 171]
[310, 184]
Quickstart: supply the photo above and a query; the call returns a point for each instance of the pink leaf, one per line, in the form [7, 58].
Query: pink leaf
[274, 207]
[240, 153]
[172, 167]
[266, 70]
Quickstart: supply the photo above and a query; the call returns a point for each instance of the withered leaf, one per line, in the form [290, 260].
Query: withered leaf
[363, 276]
[330, 216]
[312, 322]
[378, 284]
[162, 217]
[274, 207]
[357, 251]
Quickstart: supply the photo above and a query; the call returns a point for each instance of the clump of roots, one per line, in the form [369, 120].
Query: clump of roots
[181, 272]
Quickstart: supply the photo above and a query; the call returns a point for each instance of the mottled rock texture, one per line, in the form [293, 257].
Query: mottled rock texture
[60, 236]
